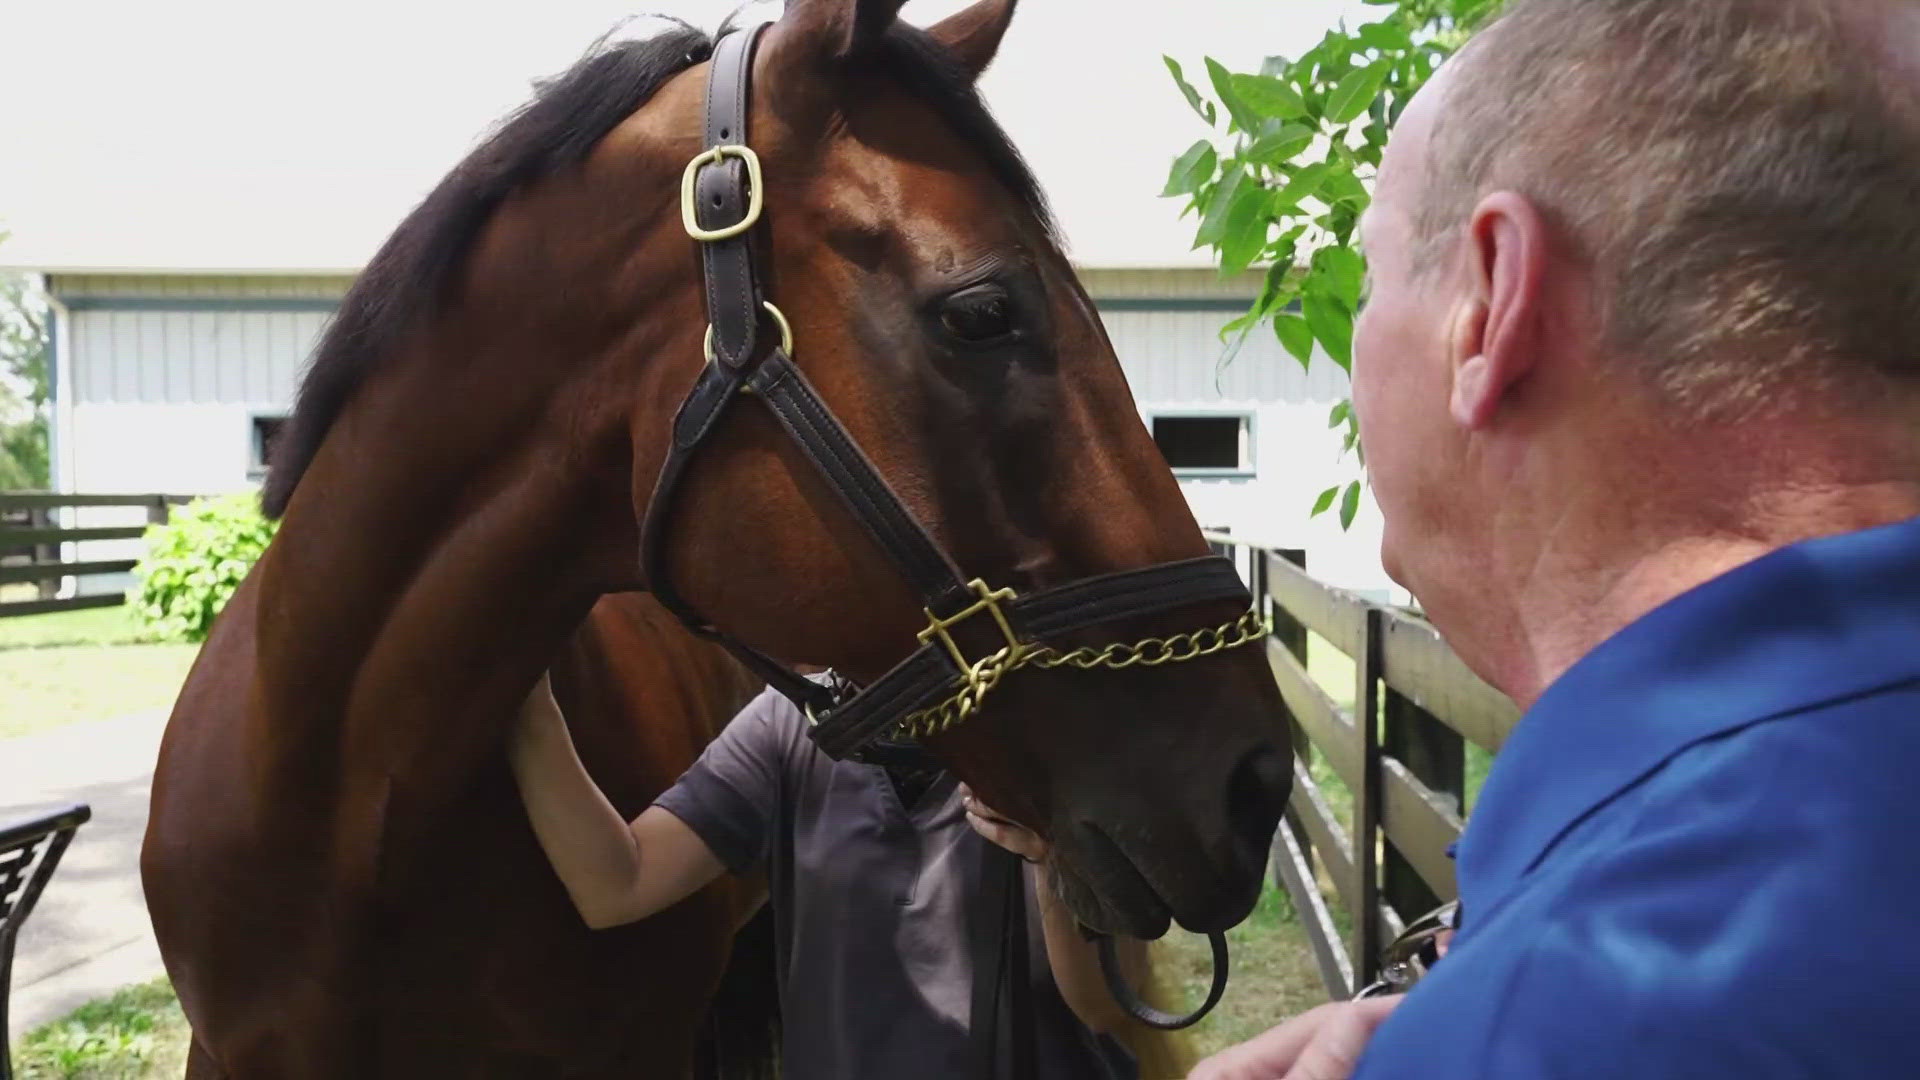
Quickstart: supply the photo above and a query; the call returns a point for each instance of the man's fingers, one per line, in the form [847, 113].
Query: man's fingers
[1336, 1046]
[1267, 1055]
[1320, 1044]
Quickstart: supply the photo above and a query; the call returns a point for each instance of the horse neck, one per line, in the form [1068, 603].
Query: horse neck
[441, 546]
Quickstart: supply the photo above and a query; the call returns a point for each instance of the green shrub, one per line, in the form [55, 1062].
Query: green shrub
[194, 563]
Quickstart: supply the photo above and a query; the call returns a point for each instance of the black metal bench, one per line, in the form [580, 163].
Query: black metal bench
[29, 851]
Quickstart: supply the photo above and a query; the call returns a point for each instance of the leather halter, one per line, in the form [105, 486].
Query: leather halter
[722, 201]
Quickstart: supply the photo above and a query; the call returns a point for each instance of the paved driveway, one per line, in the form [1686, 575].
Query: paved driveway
[89, 935]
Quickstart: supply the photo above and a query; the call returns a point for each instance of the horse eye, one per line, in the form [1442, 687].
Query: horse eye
[978, 316]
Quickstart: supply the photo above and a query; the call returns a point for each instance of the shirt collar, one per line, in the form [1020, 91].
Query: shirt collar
[1810, 623]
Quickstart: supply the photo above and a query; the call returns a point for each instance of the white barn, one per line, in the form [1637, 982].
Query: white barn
[185, 304]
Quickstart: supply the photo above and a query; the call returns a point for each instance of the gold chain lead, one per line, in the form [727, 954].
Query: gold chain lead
[986, 673]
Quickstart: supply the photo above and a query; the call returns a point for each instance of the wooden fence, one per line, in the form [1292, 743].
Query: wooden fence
[33, 546]
[1400, 751]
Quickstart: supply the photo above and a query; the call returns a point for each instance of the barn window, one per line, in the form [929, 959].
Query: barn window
[1215, 445]
[266, 429]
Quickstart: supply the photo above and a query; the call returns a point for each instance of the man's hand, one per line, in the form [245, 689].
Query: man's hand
[1321, 1044]
[1005, 832]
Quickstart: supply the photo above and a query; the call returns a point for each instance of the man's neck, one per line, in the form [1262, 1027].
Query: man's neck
[1592, 582]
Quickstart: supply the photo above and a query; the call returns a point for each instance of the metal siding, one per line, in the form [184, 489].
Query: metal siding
[84, 287]
[208, 357]
[163, 396]
[1170, 284]
[1173, 358]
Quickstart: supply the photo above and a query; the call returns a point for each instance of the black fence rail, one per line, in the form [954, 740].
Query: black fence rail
[33, 546]
[1400, 750]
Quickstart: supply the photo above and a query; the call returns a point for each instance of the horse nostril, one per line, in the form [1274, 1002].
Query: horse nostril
[1257, 795]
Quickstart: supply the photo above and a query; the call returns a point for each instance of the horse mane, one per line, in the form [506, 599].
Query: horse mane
[566, 119]
[557, 130]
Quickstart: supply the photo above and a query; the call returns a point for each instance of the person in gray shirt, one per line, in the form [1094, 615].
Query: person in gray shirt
[870, 872]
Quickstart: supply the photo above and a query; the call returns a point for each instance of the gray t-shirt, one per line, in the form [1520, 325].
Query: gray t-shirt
[870, 899]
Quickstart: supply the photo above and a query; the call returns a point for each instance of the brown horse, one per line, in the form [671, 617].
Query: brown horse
[337, 867]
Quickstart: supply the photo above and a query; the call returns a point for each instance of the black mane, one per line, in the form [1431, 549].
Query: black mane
[567, 118]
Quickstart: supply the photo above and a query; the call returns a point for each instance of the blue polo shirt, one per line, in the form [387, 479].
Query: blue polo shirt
[1699, 854]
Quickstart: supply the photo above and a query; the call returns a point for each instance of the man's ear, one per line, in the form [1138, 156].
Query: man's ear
[1494, 339]
[973, 35]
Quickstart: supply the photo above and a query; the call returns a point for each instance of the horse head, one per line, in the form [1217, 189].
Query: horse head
[933, 316]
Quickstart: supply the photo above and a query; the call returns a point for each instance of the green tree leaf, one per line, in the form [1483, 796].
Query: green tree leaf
[1340, 413]
[1269, 96]
[1304, 183]
[1343, 272]
[1325, 502]
[1296, 336]
[1245, 118]
[1213, 227]
[1350, 505]
[1350, 99]
[1341, 186]
[1332, 325]
[1280, 146]
[25, 385]
[1385, 36]
[1245, 233]
[1337, 101]
[1194, 169]
[1201, 106]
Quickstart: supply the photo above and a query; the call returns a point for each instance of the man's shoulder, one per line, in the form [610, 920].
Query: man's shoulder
[1810, 810]
[1745, 907]
[1848, 761]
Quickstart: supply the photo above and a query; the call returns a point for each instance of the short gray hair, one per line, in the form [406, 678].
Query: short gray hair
[1743, 175]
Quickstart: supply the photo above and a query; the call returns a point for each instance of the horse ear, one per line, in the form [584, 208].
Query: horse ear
[973, 35]
[830, 30]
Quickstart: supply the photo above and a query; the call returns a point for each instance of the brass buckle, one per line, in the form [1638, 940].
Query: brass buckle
[989, 601]
[779, 319]
[756, 198]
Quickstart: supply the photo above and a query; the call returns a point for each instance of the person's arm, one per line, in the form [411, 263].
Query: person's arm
[1074, 960]
[616, 871]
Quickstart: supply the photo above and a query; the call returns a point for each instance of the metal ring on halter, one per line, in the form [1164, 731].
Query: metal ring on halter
[1138, 1008]
[780, 320]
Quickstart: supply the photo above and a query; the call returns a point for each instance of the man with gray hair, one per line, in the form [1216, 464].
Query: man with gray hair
[1639, 382]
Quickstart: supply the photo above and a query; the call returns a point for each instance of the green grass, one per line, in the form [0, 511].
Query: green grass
[92, 626]
[46, 687]
[137, 1033]
[1273, 975]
